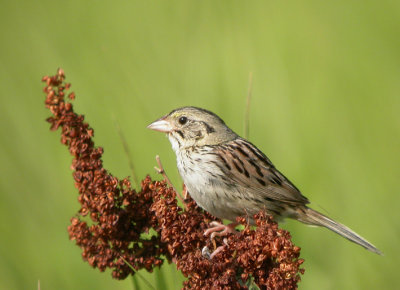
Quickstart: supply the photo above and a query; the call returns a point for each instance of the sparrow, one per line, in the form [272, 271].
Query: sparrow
[229, 177]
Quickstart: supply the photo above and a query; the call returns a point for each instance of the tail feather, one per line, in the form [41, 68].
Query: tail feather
[312, 217]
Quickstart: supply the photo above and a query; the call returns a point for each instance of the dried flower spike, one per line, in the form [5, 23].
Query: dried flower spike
[113, 223]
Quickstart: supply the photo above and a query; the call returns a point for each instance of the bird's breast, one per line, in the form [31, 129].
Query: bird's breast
[199, 174]
[204, 182]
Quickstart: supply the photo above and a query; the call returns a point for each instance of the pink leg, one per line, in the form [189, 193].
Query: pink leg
[206, 252]
[219, 249]
[220, 230]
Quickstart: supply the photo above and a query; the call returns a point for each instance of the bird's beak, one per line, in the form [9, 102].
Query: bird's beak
[161, 125]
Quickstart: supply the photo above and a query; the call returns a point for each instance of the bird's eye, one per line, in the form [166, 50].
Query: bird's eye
[182, 120]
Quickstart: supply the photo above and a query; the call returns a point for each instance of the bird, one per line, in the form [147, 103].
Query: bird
[228, 176]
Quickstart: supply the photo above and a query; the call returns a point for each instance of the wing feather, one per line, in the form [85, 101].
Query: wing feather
[250, 168]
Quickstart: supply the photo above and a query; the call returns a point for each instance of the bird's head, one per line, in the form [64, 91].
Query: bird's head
[191, 126]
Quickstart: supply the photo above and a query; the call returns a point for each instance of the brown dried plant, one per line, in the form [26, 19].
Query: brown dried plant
[125, 230]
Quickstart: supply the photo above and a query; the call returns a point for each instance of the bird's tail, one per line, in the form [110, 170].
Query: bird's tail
[309, 216]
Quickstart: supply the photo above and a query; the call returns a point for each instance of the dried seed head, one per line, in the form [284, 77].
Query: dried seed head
[120, 220]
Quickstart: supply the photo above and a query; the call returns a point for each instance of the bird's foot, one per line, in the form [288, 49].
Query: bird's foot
[206, 251]
[220, 230]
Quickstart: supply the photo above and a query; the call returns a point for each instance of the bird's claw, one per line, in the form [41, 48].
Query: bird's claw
[220, 230]
[208, 255]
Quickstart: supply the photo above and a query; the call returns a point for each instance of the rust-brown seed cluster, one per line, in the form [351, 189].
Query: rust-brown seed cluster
[112, 227]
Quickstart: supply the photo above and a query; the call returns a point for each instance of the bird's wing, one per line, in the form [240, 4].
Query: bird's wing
[247, 166]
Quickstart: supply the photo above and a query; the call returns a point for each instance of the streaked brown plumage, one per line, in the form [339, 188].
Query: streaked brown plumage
[228, 176]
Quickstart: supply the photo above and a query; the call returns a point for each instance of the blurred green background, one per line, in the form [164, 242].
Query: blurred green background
[325, 109]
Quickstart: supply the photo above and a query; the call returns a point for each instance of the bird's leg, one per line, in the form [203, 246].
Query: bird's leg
[219, 249]
[206, 252]
[220, 230]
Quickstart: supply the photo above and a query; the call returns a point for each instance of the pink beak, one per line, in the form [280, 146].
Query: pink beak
[161, 125]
